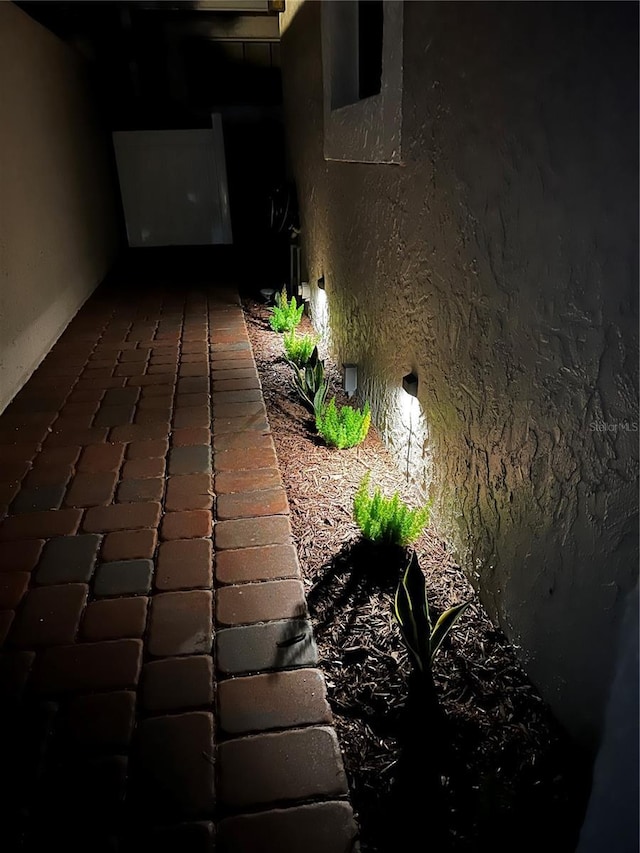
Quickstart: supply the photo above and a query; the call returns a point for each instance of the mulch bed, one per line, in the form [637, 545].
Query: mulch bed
[509, 778]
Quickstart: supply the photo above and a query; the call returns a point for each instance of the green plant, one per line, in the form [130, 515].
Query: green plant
[310, 383]
[285, 314]
[387, 519]
[345, 426]
[299, 349]
[412, 613]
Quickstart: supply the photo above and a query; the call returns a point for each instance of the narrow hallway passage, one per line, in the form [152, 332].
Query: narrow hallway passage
[150, 593]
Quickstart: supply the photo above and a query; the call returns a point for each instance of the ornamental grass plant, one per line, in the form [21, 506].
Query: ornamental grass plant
[345, 426]
[387, 520]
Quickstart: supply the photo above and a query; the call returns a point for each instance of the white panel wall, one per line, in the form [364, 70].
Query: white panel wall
[174, 187]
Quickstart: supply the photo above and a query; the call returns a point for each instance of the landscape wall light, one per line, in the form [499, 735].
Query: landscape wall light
[410, 384]
[321, 283]
[349, 378]
[304, 291]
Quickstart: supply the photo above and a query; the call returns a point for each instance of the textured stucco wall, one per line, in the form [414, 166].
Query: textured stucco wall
[58, 231]
[499, 262]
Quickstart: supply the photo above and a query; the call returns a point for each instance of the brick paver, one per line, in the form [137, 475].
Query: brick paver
[68, 559]
[115, 619]
[129, 544]
[269, 768]
[186, 400]
[49, 616]
[191, 524]
[94, 489]
[123, 577]
[236, 345]
[181, 624]
[101, 458]
[255, 479]
[13, 586]
[251, 532]
[141, 468]
[246, 395]
[175, 765]
[275, 701]
[177, 684]
[274, 645]
[260, 602]
[148, 449]
[140, 490]
[232, 384]
[193, 385]
[253, 409]
[247, 440]
[316, 828]
[134, 516]
[243, 565]
[252, 504]
[40, 525]
[49, 475]
[249, 423]
[189, 491]
[184, 564]
[89, 666]
[39, 498]
[20, 556]
[190, 436]
[72, 437]
[140, 443]
[242, 458]
[190, 460]
[192, 416]
[123, 396]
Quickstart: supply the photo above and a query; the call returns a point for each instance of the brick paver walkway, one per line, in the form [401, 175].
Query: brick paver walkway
[158, 671]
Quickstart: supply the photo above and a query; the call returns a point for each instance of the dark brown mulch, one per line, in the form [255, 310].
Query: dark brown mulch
[507, 777]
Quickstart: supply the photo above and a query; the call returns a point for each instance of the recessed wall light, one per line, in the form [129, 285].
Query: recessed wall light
[410, 384]
[321, 283]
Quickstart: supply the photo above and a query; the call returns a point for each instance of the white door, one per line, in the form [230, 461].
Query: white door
[174, 186]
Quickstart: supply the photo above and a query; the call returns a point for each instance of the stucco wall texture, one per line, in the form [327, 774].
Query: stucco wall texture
[58, 221]
[499, 262]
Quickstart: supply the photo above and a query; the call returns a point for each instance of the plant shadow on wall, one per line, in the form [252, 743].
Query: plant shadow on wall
[488, 768]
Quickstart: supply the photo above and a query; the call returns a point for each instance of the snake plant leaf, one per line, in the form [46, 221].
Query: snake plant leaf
[416, 586]
[444, 624]
[308, 380]
[319, 399]
[404, 615]
[412, 612]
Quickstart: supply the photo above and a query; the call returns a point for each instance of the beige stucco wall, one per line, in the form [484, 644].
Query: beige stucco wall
[58, 231]
[499, 262]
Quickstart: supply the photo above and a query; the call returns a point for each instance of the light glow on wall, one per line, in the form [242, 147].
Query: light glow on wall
[320, 313]
[407, 434]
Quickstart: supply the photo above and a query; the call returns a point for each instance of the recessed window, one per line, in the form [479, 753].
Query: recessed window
[356, 52]
[370, 20]
[362, 78]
